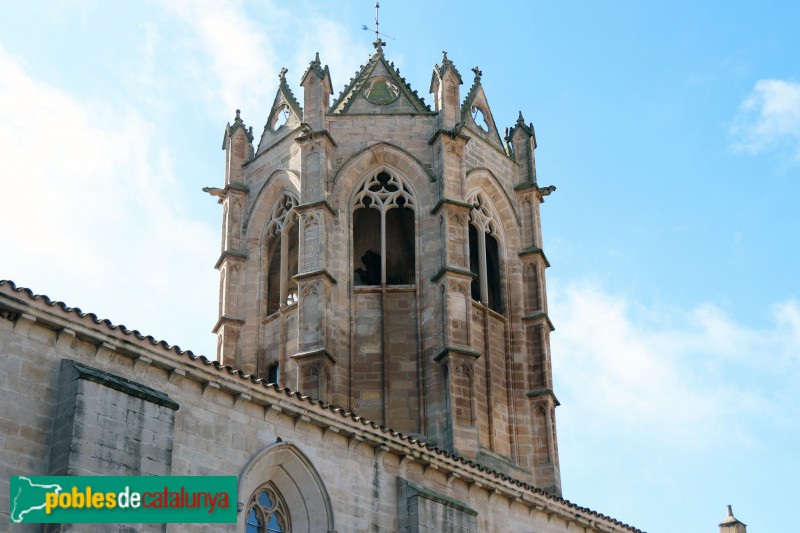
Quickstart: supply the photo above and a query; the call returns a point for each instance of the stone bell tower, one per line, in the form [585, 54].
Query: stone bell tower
[386, 256]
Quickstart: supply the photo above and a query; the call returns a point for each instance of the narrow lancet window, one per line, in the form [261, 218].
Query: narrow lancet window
[485, 255]
[281, 251]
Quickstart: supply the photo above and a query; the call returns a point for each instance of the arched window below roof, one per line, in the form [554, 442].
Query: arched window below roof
[267, 512]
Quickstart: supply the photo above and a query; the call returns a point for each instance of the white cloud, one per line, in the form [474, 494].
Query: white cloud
[682, 379]
[769, 118]
[239, 65]
[245, 47]
[97, 218]
[92, 211]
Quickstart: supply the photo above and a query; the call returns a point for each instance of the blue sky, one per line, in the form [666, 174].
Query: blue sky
[672, 132]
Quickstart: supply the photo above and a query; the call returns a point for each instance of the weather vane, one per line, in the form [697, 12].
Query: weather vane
[377, 33]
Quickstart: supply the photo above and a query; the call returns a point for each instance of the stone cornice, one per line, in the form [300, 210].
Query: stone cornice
[539, 317]
[533, 250]
[322, 273]
[302, 208]
[458, 272]
[458, 350]
[225, 320]
[238, 255]
[319, 353]
[543, 392]
[449, 202]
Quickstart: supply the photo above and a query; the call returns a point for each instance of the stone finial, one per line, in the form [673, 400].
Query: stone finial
[282, 74]
[731, 524]
[379, 44]
[316, 59]
[478, 73]
[238, 116]
[445, 60]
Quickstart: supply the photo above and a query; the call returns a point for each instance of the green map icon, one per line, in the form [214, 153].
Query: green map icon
[28, 499]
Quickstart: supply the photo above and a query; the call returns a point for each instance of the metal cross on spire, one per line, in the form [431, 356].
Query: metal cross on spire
[377, 7]
[377, 25]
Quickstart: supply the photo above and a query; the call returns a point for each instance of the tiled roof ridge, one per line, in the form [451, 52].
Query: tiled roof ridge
[344, 413]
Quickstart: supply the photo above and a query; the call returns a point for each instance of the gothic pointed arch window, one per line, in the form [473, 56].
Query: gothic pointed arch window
[384, 240]
[485, 253]
[281, 249]
[267, 512]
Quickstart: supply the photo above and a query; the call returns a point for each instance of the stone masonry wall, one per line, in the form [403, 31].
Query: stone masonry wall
[225, 420]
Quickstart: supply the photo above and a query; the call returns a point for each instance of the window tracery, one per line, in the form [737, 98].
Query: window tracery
[383, 231]
[282, 237]
[267, 512]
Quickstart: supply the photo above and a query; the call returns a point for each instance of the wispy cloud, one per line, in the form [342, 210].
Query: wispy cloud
[686, 379]
[236, 63]
[246, 47]
[93, 210]
[769, 118]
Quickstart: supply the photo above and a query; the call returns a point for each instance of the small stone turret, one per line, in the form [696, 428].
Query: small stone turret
[522, 139]
[238, 149]
[444, 87]
[316, 83]
[731, 524]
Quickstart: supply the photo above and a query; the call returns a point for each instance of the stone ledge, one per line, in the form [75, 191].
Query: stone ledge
[545, 391]
[121, 384]
[533, 250]
[227, 320]
[535, 316]
[232, 254]
[467, 352]
[429, 494]
[459, 272]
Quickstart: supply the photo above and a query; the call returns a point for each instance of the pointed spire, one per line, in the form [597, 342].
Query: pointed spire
[730, 520]
[478, 73]
[230, 129]
[315, 66]
[521, 126]
[445, 61]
